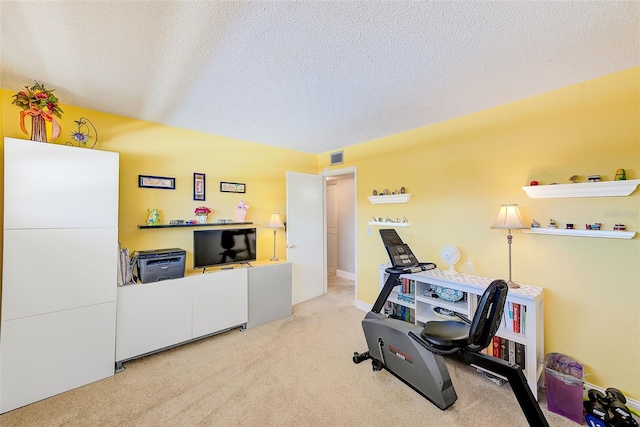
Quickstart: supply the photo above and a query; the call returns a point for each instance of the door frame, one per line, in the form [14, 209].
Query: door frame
[334, 172]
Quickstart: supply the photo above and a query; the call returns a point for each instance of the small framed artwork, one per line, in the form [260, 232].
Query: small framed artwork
[198, 186]
[162, 182]
[232, 187]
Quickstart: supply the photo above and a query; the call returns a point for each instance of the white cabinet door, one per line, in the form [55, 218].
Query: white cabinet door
[47, 270]
[152, 316]
[58, 186]
[45, 355]
[219, 301]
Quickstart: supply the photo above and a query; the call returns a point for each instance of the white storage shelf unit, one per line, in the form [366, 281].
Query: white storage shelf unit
[529, 297]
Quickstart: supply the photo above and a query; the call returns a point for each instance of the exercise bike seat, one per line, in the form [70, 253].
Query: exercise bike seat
[450, 336]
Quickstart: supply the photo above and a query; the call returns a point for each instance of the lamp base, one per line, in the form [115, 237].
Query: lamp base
[274, 259]
[512, 285]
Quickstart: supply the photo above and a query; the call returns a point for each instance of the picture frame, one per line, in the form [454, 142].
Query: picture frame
[199, 186]
[232, 187]
[162, 182]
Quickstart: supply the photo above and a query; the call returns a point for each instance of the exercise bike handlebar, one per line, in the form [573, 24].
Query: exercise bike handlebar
[422, 266]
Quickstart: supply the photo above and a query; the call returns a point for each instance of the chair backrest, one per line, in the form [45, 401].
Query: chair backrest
[486, 320]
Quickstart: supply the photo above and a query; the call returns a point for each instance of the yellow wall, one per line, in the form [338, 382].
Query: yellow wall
[152, 149]
[461, 170]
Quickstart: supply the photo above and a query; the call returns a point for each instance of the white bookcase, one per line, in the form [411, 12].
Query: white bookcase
[529, 298]
[59, 269]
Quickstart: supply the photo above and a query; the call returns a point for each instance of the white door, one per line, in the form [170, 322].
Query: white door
[305, 235]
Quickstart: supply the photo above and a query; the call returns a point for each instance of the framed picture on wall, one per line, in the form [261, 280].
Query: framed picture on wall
[163, 182]
[198, 186]
[232, 187]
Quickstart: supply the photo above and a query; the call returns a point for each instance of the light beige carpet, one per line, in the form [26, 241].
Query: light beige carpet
[293, 372]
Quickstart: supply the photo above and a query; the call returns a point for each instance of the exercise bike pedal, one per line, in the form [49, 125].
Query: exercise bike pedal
[360, 357]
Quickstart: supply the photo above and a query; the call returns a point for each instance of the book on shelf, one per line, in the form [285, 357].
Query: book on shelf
[514, 318]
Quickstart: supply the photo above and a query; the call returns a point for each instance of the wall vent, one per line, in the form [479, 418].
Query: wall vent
[337, 158]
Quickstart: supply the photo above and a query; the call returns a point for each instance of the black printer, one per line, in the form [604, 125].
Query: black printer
[161, 264]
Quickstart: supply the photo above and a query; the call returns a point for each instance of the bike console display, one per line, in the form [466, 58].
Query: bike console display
[399, 252]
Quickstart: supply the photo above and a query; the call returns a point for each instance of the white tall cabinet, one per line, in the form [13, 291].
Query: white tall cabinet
[59, 274]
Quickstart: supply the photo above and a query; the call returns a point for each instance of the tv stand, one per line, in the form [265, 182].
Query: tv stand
[152, 317]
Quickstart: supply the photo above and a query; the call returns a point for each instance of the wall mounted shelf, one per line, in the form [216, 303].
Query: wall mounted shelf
[390, 198]
[583, 233]
[210, 224]
[582, 189]
[389, 224]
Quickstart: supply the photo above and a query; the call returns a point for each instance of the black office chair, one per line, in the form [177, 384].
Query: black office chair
[465, 340]
[449, 337]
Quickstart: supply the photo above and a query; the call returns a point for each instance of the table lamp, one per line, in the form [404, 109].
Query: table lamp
[275, 222]
[509, 219]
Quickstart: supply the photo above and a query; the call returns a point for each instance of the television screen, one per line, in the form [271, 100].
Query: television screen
[220, 247]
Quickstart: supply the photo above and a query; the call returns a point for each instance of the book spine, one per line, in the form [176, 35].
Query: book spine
[520, 353]
[512, 351]
[516, 318]
[496, 346]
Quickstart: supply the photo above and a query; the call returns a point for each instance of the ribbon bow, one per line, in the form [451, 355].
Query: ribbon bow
[55, 127]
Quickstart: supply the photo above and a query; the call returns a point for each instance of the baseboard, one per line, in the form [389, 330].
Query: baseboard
[364, 306]
[346, 275]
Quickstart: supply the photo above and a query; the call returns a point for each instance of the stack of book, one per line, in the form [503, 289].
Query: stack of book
[511, 351]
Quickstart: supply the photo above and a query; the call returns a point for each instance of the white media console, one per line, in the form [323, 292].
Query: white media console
[156, 316]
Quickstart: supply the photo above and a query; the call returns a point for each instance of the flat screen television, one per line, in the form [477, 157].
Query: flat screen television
[224, 246]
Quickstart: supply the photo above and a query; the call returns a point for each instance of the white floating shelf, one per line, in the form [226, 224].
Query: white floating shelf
[606, 234]
[389, 224]
[582, 189]
[390, 198]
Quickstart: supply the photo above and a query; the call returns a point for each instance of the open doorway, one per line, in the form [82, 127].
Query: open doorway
[341, 227]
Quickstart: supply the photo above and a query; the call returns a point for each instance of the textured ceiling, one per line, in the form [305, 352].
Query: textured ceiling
[310, 75]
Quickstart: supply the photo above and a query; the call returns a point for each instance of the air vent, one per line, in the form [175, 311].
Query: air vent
[337, 158]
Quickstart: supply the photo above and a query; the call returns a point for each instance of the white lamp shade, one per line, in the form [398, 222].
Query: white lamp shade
[509, 218]
[275, 221]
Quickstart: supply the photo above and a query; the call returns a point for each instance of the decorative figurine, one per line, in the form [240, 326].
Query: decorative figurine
[619, 227]
[594, 226]
[395, 192]
[573, 179]
[241, 211]
[404, 220]
[385, 192]
[621, 175]
[534, 182]
[569, 226]
[375, 192]
[552, 224]
[594, 178]
[535, 224]
[402, 190]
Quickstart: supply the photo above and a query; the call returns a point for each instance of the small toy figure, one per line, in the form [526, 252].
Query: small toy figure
[594, 178]
[535, 224]
[619, 227]
[404, 220]
[594, 226]
[569, 226]
[385, 192]
[402, 190]
[573, 179]
[552, 224]
[621, 175]
[534, 182]
[375, 192]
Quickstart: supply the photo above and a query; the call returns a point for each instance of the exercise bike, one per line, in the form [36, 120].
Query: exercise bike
[415, 354]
